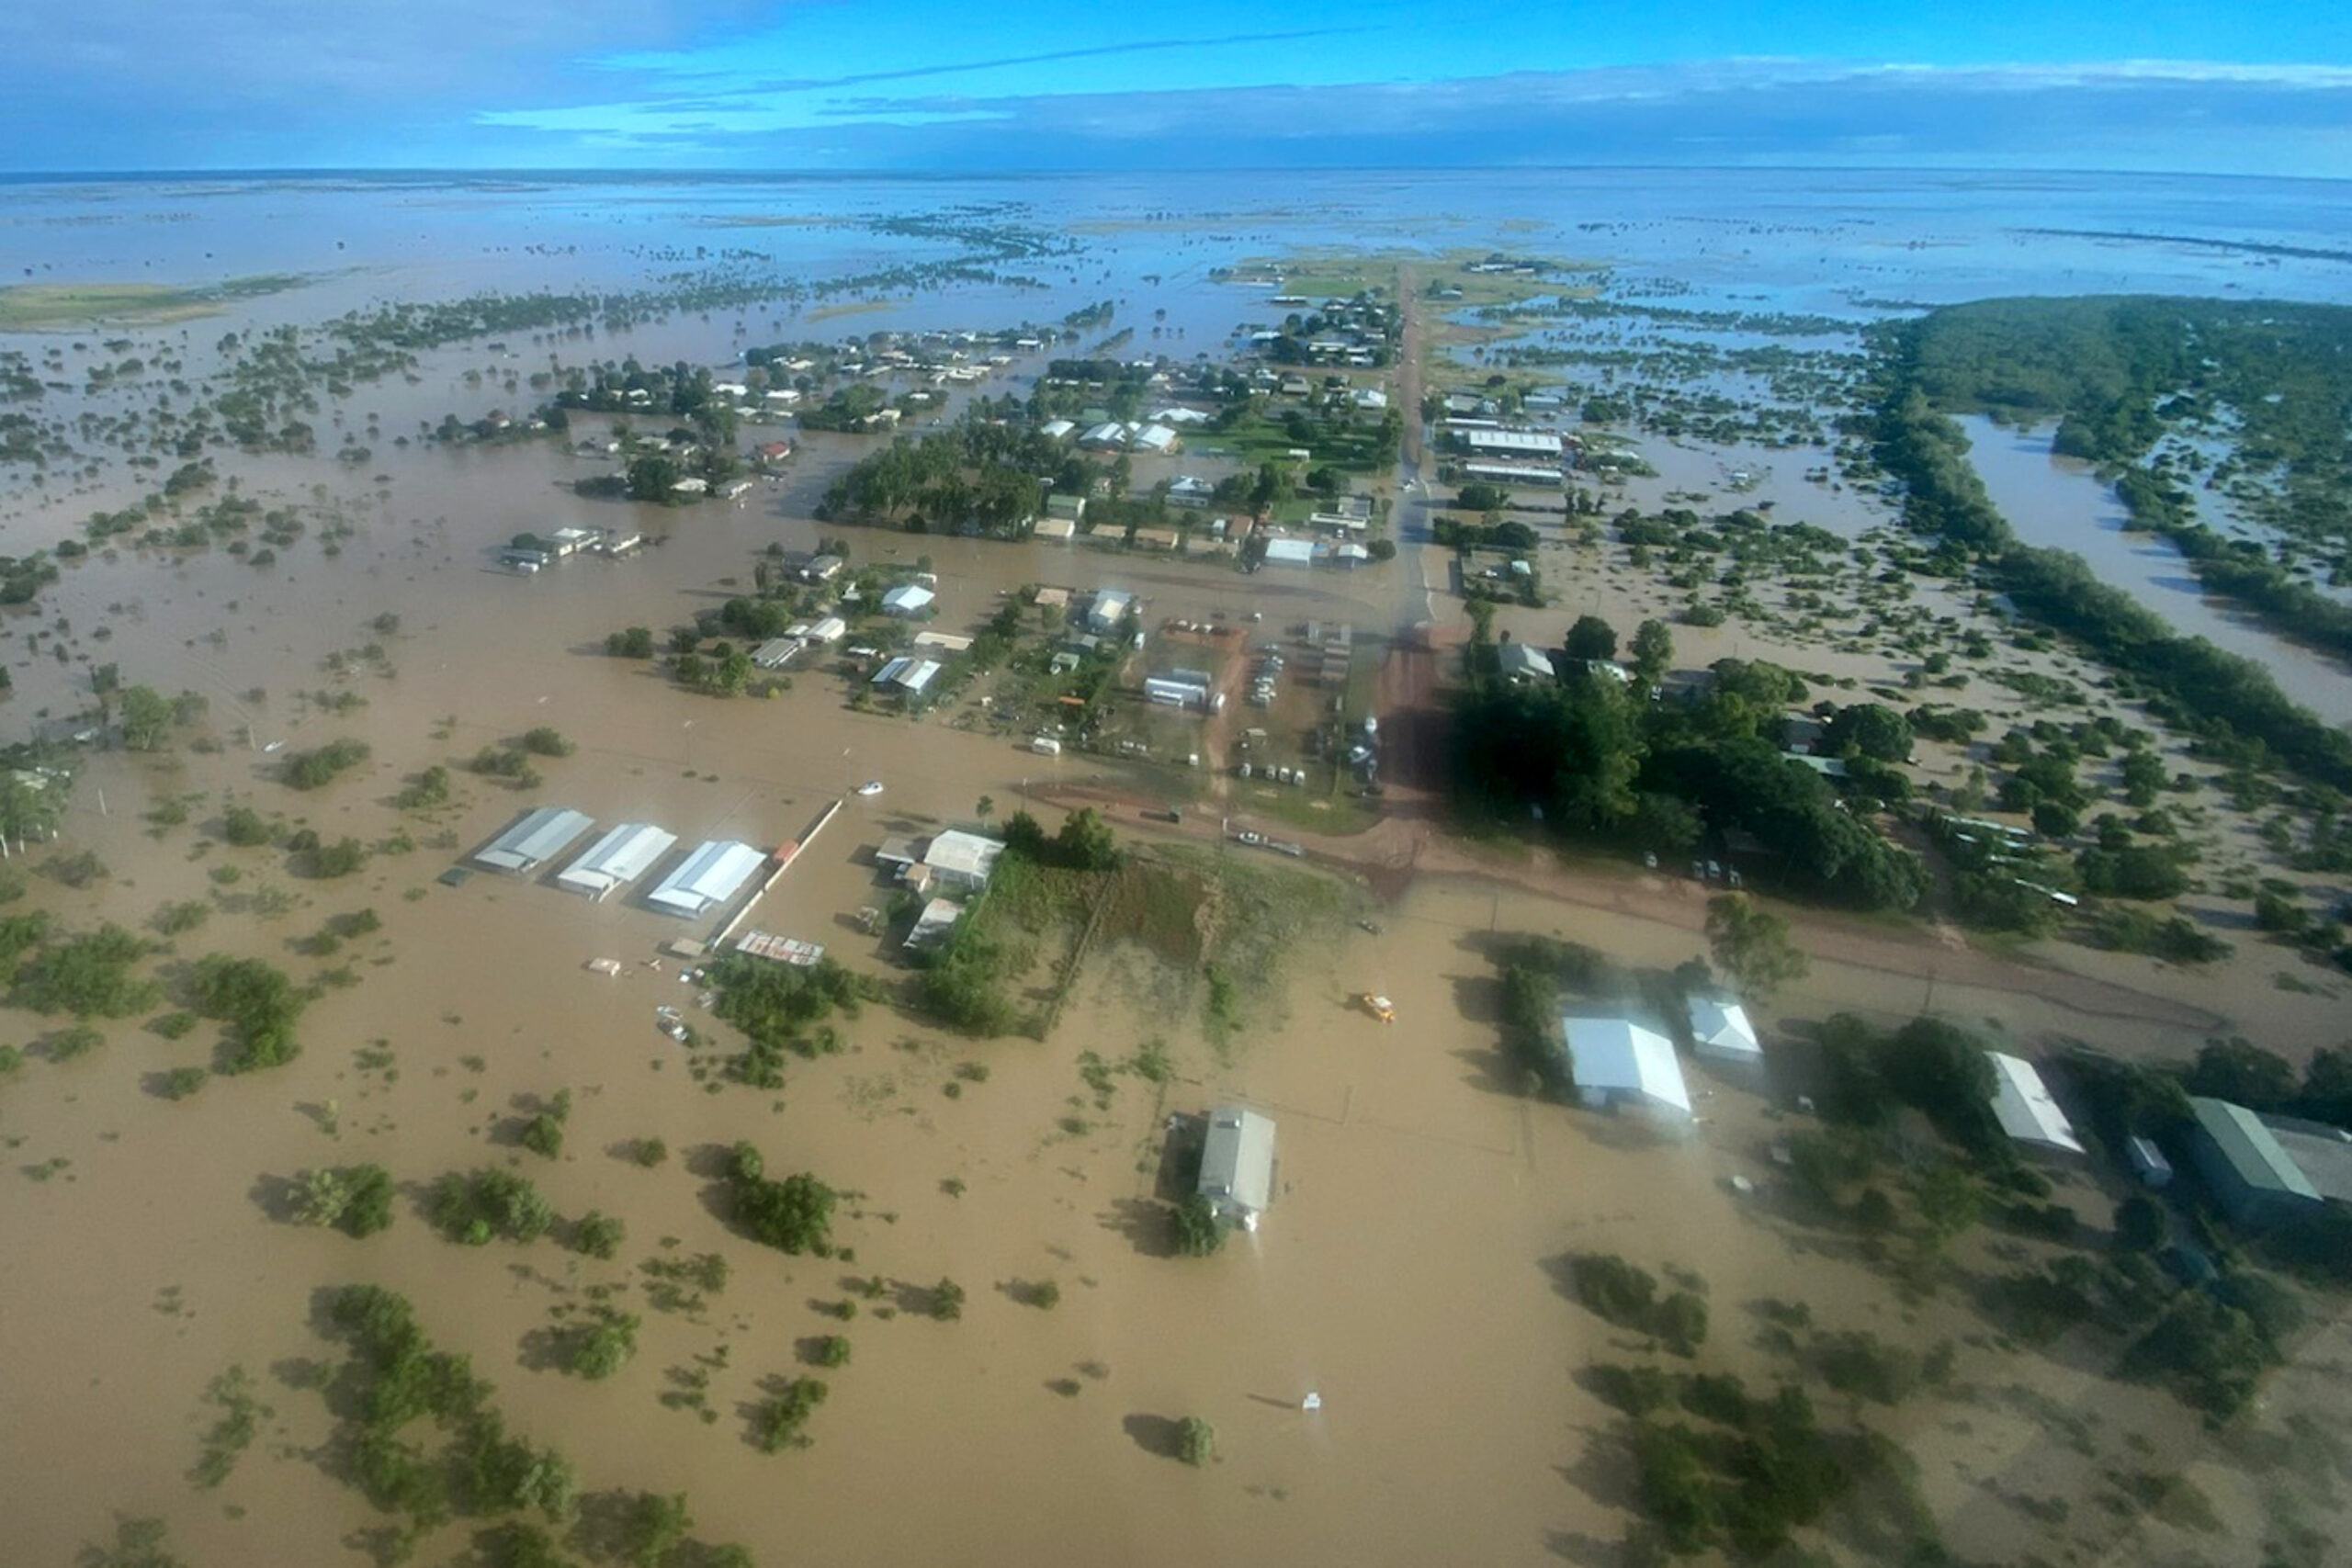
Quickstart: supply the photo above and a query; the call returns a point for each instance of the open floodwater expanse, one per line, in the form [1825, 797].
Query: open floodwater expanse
[1412, 1271]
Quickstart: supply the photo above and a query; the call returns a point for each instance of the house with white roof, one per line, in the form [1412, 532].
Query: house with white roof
[1157, 439]
[962, 860]
[2022, 1104]
[1523, 661]
[1109, 610]
[908, 599]
[1618, 1064]
[1290, 552]
[1056, 429]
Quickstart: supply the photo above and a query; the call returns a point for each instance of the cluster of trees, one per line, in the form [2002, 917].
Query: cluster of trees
[1626, 1294]
[355, 1199]
[780, 1008]
[88, 975]
[315, 769]
[476, 1207]
[427, 790]
[991, 476]
[781, 1420]
[1931, 1064]
[1084, 841]
[258, 1002]
[2230, 700]
[794, 1216]
[468, 1466]
[1752, 1469]
[542, 1133]
[1598, 761]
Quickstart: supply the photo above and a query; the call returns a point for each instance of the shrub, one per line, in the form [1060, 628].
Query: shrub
[1199, 1230]
[178, 918]
[649, 1152]
[1682, 1321]
[259, 1004]
[546, 741]
[1195, 1440]
[245, 826]
[355, 1199]
[312, 770]
[832, 1350]
[777, 1424]
[180, 1082]
[792, 1215]
[603, 1346]
[87, 976]
[341, 858]
[475, 1208]
[946, 1300]
[543, 1136]
[599, 1234]
[1614, 1289]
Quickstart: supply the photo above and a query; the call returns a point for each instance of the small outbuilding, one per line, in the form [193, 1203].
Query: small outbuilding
[1237, 1164]
[535, 838]
[1617, 1064]
[931, 927]
[1721, 1034]
[1523, 661]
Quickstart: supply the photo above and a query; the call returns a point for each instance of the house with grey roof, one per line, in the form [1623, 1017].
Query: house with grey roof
[1237, 1164]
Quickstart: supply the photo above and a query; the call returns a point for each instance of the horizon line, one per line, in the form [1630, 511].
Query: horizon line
[23, 177]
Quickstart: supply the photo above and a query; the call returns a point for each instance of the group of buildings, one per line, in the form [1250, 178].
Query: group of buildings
[943, 871]
[708, 878]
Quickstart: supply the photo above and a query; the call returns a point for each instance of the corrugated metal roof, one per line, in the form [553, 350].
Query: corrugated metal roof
[963, 854]
[1237, 1164]
[1620, 1056]
[2252, 1151]
[617, 859]
[2022, 1103]
[535, 838]
[1722, 1027]
[712, 874]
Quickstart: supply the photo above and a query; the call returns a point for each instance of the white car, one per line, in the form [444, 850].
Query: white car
[870, 787]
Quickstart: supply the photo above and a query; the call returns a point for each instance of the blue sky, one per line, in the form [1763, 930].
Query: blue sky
[948, 84]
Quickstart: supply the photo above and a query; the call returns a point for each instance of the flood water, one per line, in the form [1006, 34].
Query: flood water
[2060, 503]
[1411, 1271]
